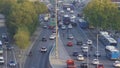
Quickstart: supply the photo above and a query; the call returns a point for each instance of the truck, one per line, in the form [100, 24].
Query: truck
[70, 63]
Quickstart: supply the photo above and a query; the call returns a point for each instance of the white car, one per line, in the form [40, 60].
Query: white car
[70, 36]
[53, 36]
[84, 48]
[1, 50]
[80, 57]
[4, 35]
[12, 63]
[95, 61]
[71, 11]
[70, 26]
[73, 17]
[2, 60]
[43, 49]
[116, 64]
[89, 42]
[63, 27]
[61, 11]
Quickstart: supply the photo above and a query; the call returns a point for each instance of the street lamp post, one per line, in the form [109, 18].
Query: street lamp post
[56, 4]
[97, 46]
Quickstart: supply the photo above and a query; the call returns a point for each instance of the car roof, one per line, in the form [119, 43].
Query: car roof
[43, 47]
[0, 42]
[1, 57]
[80, 55]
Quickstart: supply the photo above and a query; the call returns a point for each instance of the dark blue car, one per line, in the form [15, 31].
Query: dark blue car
[75, 53]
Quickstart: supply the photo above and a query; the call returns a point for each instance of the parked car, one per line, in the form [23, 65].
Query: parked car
[69, 43]
[12, 63]
[116, 64]
[43, 49]
[80, 57]
[95, 61]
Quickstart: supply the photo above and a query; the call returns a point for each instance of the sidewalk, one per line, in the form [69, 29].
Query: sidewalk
[59, 62]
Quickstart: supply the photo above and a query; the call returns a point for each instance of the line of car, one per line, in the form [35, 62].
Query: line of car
[4, 44]
[84, 46]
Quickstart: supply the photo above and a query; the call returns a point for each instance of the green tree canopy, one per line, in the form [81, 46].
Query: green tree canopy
[22, 37]
[102, 14]
[21, 13]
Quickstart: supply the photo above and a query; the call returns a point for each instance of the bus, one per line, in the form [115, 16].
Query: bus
[112, 52]
[66, 19]
[106, 39]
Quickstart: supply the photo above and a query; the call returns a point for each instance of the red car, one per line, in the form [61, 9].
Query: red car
[100, 66]
[51, 27]
[53, 31]
[69, 43]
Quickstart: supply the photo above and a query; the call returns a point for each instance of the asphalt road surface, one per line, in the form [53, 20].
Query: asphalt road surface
[38, 59]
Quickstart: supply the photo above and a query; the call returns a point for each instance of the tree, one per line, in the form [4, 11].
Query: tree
[21, 13]
[40, 7]
[5, 5]
[102, 14]
[22, 37]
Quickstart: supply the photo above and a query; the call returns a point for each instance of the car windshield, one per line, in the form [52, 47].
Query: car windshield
[11, 61]
[96, 60]
[1, 59]
[43, 48]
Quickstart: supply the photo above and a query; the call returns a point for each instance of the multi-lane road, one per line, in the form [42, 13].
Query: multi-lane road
[38, 59]
[84, 34]
[7, 54]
